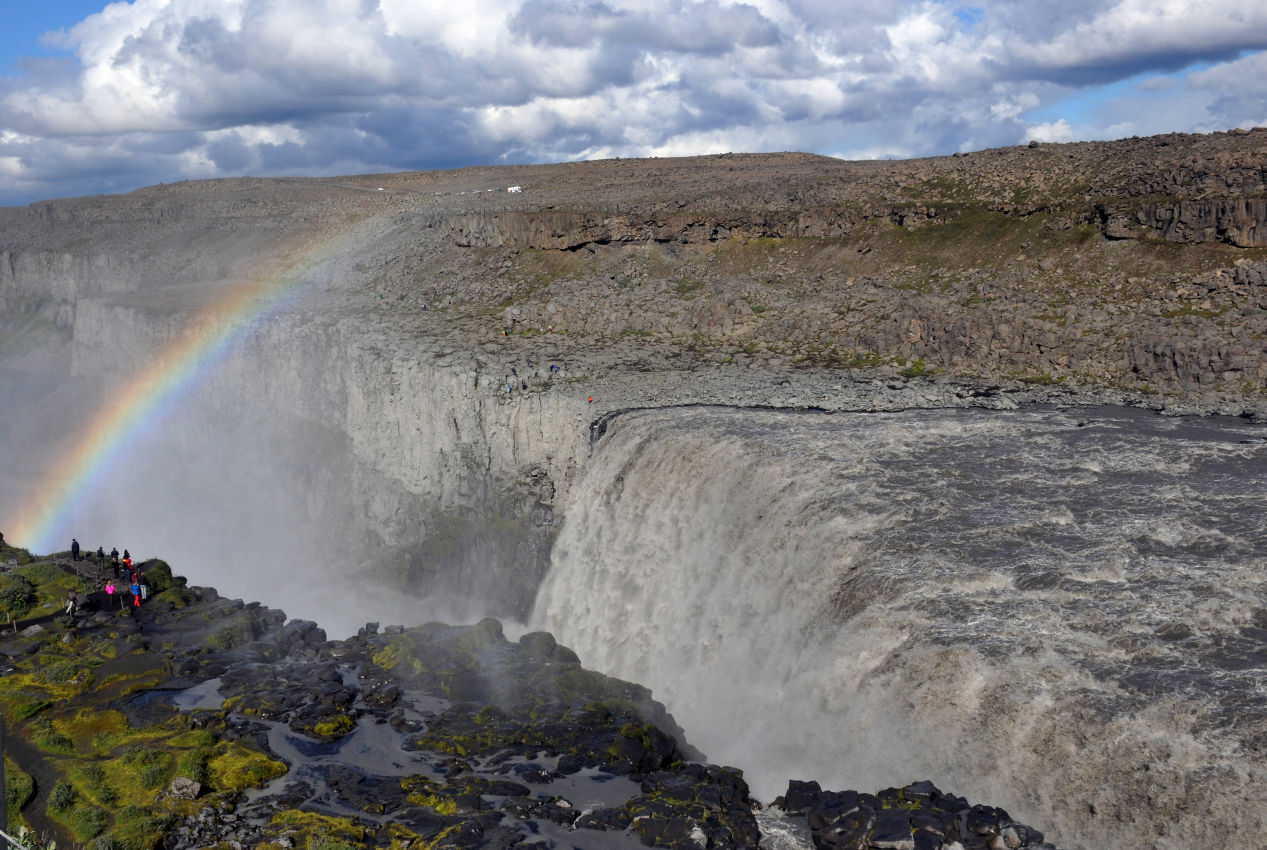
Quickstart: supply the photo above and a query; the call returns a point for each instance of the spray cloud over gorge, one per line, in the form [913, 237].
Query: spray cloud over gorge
[840, 479]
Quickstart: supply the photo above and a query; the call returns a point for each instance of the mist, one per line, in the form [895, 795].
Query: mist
[229, 482]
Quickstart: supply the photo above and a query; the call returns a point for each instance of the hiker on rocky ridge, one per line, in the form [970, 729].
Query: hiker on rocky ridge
[74, 549]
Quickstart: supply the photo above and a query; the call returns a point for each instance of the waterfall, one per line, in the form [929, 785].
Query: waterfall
[1053, 611]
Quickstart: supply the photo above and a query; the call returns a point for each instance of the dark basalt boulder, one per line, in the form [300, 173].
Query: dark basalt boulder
[918, 816]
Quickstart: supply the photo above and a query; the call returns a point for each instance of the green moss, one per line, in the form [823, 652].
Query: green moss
[92, 782]
[235, 768]
[17, 595]
[85, 821]
[153, 766]
[178, 597]
[239, 631]
[311, 831]
[19, 790]
[29, 708]
[337, 727]
[915, 368]
[139, 829]
[61, 798]
[48, 739]
[688, 287]
[438, 804]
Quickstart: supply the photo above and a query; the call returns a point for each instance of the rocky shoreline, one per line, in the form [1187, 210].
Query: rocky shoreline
[196, 721]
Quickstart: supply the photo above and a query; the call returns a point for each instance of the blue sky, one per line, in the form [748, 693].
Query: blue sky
[152, 91]
[26, 21]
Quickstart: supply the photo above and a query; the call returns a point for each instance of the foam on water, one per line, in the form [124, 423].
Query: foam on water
[1056, 612]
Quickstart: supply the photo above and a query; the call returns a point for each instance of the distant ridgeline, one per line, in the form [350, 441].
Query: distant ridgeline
[193, 720]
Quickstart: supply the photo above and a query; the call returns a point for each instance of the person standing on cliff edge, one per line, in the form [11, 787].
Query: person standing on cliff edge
[74, 549]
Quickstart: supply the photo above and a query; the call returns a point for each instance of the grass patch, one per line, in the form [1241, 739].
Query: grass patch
[914, 368]
[93, 730]
[311, 831]
[19, 789]
[138, 829]
[1043, 380]
[48, 739]
[17, 595]
[235, 768]
[688, 287]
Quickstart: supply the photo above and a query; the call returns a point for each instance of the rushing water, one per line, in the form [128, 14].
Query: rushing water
[1057, 611]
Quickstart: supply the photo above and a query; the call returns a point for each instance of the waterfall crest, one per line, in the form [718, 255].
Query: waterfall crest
[1053, 611]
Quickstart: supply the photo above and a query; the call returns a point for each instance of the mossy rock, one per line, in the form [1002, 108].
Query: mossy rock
[241, 630]
[332, 728]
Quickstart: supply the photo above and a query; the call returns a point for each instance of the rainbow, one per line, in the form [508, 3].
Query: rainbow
[157, 387]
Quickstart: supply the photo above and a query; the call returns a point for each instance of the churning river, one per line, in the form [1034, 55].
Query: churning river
[1056, 611]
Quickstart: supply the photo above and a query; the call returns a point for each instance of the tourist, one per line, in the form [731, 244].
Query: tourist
[74, 549]
[136, 594]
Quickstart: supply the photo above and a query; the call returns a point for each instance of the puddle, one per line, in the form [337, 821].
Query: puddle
[202, 696]
[547, 834]
[373, 747]
[424, 703]
[590, 788]
[372, 750]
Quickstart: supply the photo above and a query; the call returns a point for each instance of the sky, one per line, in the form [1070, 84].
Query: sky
[106, 97]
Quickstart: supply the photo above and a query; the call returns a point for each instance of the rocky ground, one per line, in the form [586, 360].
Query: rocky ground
[197, 721]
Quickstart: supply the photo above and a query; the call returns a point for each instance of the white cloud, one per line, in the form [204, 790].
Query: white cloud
[1052, 131]
[1012, 107]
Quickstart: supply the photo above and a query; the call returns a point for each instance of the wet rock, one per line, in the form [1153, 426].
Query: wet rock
[915, 817]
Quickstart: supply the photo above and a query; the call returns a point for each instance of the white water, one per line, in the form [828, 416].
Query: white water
[996, 602]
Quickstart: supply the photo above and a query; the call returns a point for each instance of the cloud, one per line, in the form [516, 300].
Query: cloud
[169, 89]
[1052, 131]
